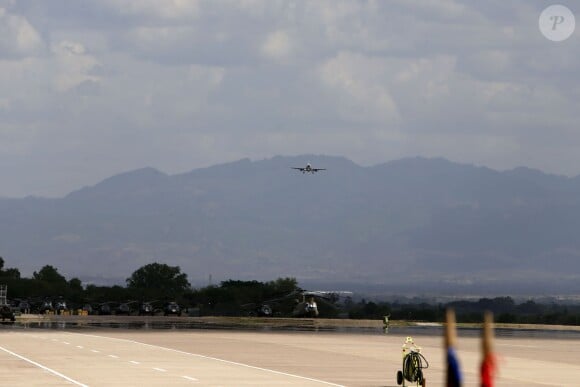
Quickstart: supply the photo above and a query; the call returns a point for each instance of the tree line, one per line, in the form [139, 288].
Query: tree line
[505, 310]
[154, 282]
[159, 282]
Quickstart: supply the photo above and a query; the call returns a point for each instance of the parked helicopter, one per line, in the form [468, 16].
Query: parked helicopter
[146, 308]
[301, 303]
[21, 306]
[172, 308]
[60, 306]
[308, 307]
[305, 308]
[260, 310]
[125, 308]
[46, 307]
[104, 309]
[24, 307]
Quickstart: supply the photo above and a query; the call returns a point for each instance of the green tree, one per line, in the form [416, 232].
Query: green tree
[160, 278]
[49, 274]
[282, 285]
[8, 273]
[100, 294]
[48, 282]
[75, 285]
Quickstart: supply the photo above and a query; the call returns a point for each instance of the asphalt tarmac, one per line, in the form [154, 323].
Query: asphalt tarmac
[180, 357]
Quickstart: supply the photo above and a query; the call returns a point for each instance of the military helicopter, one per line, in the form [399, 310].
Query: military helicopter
[146, 308]
[60, 306]
[305, 308]
[24, 307]
[104, 309]
[125, 308]
[46, 307]
[21, 305]
[172, 308]
[260, 310]
[308, 307]
[304, 303]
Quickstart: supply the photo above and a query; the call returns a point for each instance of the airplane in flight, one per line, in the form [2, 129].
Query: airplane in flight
[308, 169]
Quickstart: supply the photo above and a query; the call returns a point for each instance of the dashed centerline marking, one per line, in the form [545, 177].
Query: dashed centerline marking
[212, 358]
[191, 379]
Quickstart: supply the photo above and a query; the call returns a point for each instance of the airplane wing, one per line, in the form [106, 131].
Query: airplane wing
[300, 169]
[318, 169]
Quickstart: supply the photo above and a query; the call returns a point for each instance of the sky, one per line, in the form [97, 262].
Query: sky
[89, 89]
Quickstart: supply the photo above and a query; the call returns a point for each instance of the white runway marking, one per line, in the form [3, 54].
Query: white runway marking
[518, 345]
[95, 351]
[80, 346]
[190, 378]
[114, 356]
[159, 369]
[134, 362]
[213, 358]
[532, 382]
[65, 342]
[43, 367]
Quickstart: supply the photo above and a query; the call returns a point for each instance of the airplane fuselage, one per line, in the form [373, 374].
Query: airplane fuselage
[308, 169]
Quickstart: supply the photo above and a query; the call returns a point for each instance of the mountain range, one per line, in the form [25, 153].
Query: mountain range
[411, 224]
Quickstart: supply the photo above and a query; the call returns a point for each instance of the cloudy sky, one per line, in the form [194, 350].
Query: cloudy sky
[89, 89]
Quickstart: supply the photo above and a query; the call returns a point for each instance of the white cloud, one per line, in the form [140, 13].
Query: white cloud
[490, 64]
[436, 9]
[182, 84]
[213, 76]
[159, 37]
[18, 38]
[169, 9]
[277, 45]
[361, 84]
[72, 65]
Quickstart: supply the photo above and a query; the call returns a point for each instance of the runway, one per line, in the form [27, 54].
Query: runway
[105, 357]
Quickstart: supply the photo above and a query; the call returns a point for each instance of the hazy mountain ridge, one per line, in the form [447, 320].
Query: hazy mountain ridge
[406, 220]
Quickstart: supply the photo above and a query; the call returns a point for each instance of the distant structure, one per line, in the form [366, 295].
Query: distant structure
[5, 310]
[3, 295]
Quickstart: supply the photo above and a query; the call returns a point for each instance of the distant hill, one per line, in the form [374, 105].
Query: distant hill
[413, 223]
